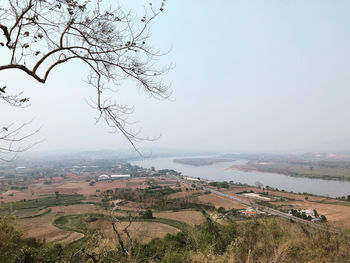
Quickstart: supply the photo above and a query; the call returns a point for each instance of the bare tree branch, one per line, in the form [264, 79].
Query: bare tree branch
[43, 34]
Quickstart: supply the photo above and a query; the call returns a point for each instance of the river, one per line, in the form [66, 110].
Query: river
[218, 172]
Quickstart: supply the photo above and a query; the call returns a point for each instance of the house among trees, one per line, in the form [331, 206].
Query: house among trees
[307, 214]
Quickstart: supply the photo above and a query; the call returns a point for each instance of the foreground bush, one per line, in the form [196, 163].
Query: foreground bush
[254, 241]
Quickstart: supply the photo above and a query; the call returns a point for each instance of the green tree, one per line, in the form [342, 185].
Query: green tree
[147, 214]
[221, 210]
[10, 237]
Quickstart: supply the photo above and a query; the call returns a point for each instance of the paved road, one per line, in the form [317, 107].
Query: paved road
[265, 209]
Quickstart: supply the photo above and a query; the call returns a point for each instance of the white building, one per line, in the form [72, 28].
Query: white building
[103, 177]
[307, 212]
[190, 178]
[119, 176]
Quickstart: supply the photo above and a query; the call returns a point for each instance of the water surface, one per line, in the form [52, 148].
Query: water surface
[219, 172]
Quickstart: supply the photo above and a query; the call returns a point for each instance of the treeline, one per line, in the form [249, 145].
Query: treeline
[219, 185]
[344, 198]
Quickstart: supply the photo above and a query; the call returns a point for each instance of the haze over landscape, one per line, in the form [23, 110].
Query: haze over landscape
[257, 76]
[250, 99]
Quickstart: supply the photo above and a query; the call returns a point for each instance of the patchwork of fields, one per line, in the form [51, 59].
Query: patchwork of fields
[69, 210]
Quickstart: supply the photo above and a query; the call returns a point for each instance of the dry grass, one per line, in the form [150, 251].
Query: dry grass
[142, 231]
[185, 193]
[77, 209]
[218, 201]
[189, 217]
[40, 190]
[42, 228]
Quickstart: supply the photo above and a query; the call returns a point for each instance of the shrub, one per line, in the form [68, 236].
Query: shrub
[221, 210]
[147, 214]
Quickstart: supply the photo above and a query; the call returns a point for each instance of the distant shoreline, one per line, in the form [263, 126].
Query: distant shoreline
[202, 161]
[270, 167]
[250, 168]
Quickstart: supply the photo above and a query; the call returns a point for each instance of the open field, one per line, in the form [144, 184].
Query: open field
[42, 228]
[189, 217]
[218, 201]
[40, 190]
[185, 193]
[77, 209]
[143, 231]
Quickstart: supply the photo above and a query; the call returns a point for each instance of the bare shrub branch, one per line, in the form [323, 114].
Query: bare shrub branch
[13, 140]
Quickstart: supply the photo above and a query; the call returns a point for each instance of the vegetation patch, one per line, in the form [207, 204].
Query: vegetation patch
[77, 223]
[57, 200]
[219, 185]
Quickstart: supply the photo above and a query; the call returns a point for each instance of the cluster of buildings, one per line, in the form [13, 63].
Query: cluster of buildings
[104, 177]
[305, 213]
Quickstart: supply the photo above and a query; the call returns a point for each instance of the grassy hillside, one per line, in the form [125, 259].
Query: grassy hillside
[255, 240]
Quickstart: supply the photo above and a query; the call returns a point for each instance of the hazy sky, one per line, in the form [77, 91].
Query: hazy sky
[249, 76]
